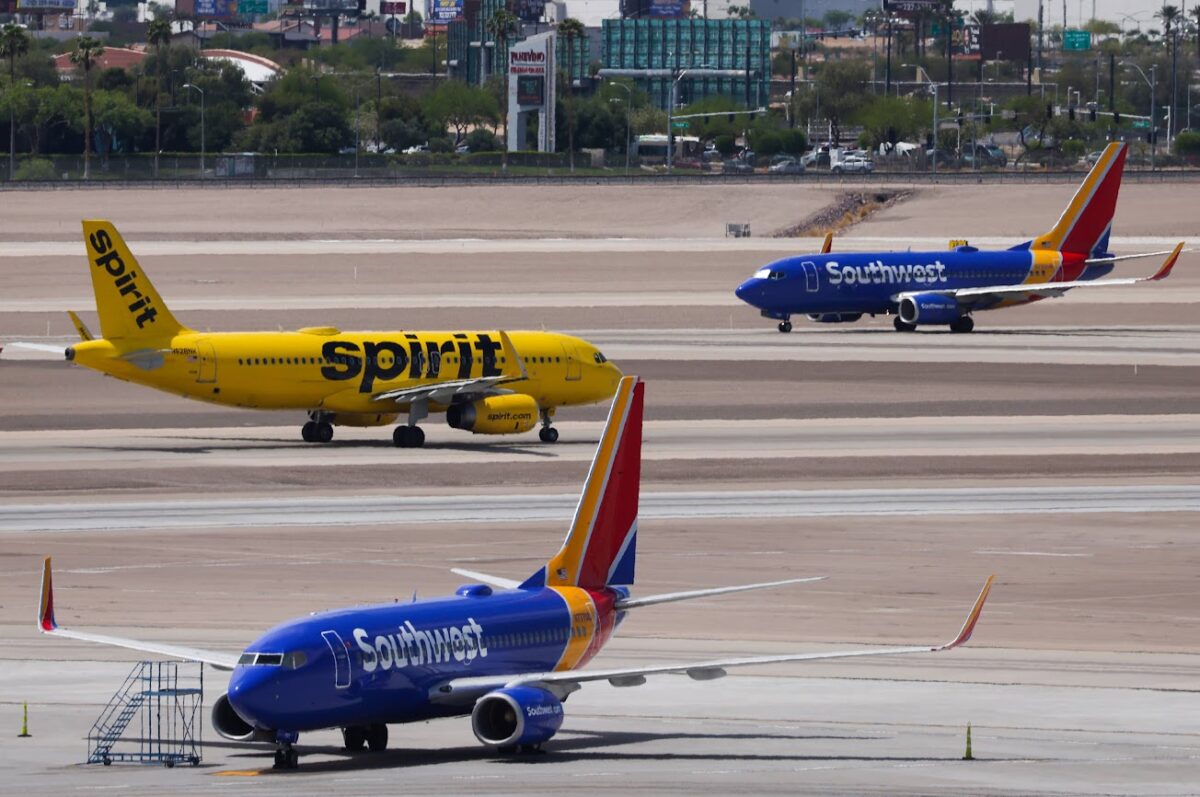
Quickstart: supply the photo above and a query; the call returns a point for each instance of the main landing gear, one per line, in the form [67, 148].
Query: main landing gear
[903, 326]
[785, 326]
[318, 429]
[373, 737]
[408, 437]
[548, 434]
[963, 323]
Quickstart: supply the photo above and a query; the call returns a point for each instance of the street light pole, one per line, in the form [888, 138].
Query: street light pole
[202, 147]
[1152, 83]
[628, 120]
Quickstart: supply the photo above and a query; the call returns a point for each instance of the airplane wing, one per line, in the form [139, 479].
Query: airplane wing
[671, 597]
[562, 683]
[47, 625]
[446, 391]
[46, 347]
[980, 295]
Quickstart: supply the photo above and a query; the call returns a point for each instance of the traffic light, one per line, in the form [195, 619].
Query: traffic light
[1049, 110]
[1116, 118]
[960, 121]
[929, 140]
[1092, 115]
[1071, 113]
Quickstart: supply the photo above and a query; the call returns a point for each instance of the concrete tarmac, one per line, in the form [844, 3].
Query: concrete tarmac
[1055, 447]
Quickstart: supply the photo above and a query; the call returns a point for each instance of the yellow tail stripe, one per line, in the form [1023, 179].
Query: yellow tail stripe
[1054, 239]
[582, 612]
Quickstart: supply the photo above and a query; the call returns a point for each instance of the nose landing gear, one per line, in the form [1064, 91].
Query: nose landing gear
[286, 756]
[785, 326]
[547, 434]
[318, 429]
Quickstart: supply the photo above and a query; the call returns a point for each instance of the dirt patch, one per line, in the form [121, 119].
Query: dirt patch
[849, 209]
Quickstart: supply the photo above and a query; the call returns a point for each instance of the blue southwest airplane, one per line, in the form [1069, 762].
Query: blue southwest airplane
[508, 657]
[946, 287]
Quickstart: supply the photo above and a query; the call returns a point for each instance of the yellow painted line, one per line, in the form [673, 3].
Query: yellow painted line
[238, 773]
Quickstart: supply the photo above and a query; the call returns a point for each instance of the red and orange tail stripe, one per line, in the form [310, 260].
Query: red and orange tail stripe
[607, 510]
[46, 607]
[1090, 212]
[972, 618]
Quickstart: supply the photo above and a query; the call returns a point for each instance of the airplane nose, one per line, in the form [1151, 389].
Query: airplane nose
[253, 693]
[746, 291]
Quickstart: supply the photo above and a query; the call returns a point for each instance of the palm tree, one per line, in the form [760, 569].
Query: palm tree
[158, 35]
[1196, 14]
[503, 24]
[1168, 14]
[14, 41]
[570, 29]
[86, 51]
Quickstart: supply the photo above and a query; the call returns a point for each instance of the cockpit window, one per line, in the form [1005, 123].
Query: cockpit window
[762, 273]
[777, 275]
[599, 358]
[294, 660]
[262, 659]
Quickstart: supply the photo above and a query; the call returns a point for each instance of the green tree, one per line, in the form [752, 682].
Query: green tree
[319, 127]
[118, 119]
[570, 29]
[86, 51]
[460, 106]
[842, 89]
[14, 41]
[158, 36]
[501, 26]
[888, 120]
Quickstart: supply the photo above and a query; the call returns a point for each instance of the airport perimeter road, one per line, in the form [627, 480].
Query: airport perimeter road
[369, 510]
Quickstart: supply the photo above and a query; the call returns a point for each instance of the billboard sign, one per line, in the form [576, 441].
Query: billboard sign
[45, 5]
[531, 90]
[443, 11]
[1007, 42]
[394, 7]
[964, 40]
[218, 9]
[252, 7]
[910, 6]
[666, 9]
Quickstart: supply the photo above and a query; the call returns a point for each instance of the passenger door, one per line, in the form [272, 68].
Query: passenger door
[206, 357]
[810, 276]
[574, 369]
[341, 659]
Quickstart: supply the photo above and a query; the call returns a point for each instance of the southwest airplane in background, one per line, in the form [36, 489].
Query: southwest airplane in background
[507, 657]
[486, 382]
[939, 288]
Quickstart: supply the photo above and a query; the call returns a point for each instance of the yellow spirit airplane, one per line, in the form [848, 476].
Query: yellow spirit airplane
[489, 382]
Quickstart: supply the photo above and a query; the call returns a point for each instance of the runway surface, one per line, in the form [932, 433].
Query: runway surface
[1058, 447]
[508, 508]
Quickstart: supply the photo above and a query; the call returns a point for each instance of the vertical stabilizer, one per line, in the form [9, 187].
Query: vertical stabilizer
[129, 307]
[1087, 222]
[601, 545]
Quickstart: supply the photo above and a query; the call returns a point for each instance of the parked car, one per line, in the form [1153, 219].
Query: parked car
[816, 159]
[853, 163]
[983, 155]
[944, 157]
[737, 166]
[416, 148]
[787, 166]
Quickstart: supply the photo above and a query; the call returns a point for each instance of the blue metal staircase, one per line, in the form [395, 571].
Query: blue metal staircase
[162, 708]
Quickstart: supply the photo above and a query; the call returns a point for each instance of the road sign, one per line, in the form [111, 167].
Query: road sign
[1077, 40]
[1141, 124]
[680, 124]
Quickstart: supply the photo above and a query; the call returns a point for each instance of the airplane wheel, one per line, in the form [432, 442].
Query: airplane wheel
[309, 432]
[962, 324]
[323, 432]
[548, 434]
[902, 326]
[280, 760]
[408, 437]
[785, 326]
[354, 737]
[291, 758]
[377, 738]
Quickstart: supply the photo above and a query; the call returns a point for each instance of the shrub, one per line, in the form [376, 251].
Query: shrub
[36, 169]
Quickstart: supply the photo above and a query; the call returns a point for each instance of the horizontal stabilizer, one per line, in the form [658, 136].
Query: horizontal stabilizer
[671, 597]
[495, 581]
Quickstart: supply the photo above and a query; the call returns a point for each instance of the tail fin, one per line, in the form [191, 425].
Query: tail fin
[601, 546]
[129, 307]
[1085, 225]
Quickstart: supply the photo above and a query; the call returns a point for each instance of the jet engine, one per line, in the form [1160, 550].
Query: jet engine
[834, 318]
[229, 724]
[516, 715]
[928, 308]
[495, 415]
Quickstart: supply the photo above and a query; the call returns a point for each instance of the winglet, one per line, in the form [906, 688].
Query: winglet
[827, 245]
[972, 618]
[46, 608]
[80, 327]
[1164, 271]
[514, 367]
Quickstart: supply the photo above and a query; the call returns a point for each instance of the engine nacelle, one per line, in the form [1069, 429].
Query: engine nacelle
[517, 715]
[834, 318]
[228, 723]
[495, 415]
[929, 308]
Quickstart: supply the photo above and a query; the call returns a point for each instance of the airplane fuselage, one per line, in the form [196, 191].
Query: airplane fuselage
[851, 283]
[342, 372]
[383, 663]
